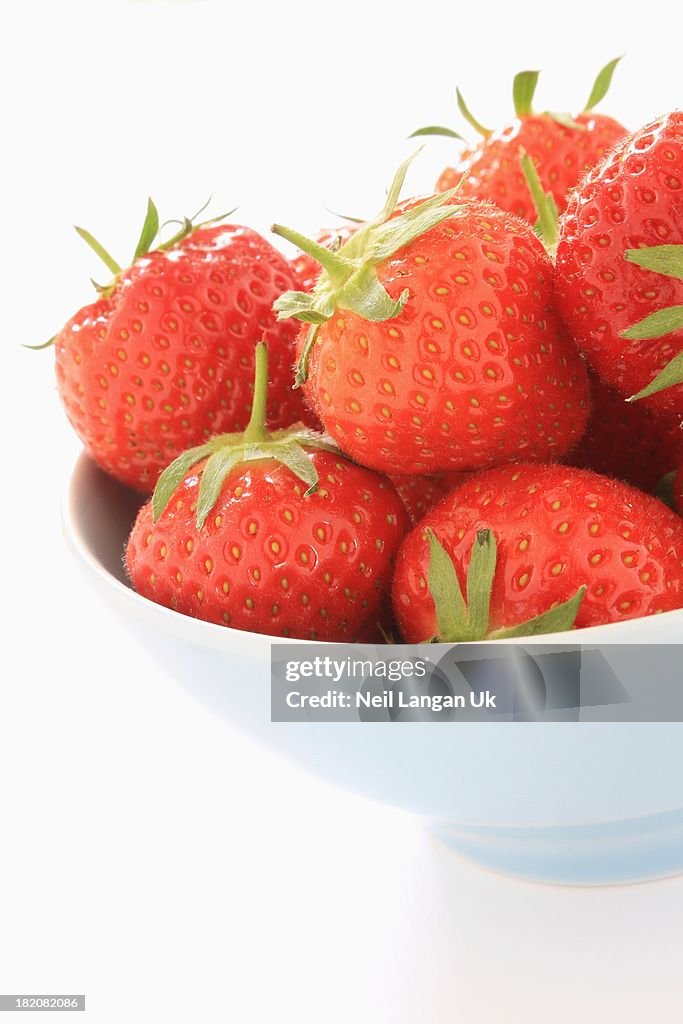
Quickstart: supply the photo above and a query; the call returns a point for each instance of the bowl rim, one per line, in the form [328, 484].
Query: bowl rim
[170, 620]
[215, 635]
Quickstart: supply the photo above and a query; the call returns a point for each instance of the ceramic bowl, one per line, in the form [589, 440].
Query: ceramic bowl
[575, 803]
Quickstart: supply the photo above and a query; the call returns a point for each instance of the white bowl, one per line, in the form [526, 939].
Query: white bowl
[582, 803]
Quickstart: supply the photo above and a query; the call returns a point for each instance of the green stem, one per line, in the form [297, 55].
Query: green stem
[337, 268]
[349, 279]
[256, 428]
[290, 447]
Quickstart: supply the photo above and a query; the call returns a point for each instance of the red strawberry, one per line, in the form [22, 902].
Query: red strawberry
[306, 269]
[562, 147]
[165, 357]
[434, 343]
[271, 532]
[419, 494]
[537, 549]
[625, 440]
[452, 480]
[619, 279]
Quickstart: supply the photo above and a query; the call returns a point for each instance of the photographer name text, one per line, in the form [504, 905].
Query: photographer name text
[389, 699]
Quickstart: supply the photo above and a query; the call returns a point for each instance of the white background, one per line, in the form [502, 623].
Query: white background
[148, 856]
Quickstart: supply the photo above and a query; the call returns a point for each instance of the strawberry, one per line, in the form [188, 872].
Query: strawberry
[306, 269]
[536, 549]
[625, 440]
[419, 494]
[273, 532]
[165, 356]
[562, 147]
[433, 343]
[619, 279]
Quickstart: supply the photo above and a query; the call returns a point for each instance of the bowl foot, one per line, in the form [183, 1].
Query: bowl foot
[610, 853]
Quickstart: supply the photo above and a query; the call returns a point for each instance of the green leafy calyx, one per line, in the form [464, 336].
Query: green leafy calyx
[436, 129]
[601, 84]
[45, 344]
[523, 89]
[470, 118]
[667, 260]
[464, 619]
[546, 209]
[149, 239]
[226, 451]
[349, 278]
[566, 120]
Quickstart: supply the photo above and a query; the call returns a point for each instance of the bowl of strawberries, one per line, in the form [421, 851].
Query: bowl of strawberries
[459, 422]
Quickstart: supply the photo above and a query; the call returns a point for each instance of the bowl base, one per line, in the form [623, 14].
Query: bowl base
[611, 853]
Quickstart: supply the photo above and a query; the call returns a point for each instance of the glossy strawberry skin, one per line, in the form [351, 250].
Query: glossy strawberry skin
[270, 560]
[562, 156]
[306, 270]
[556, 528]
[419, 494]
[626, 441]
[167, 359]
[476, 370]
[633, 199]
